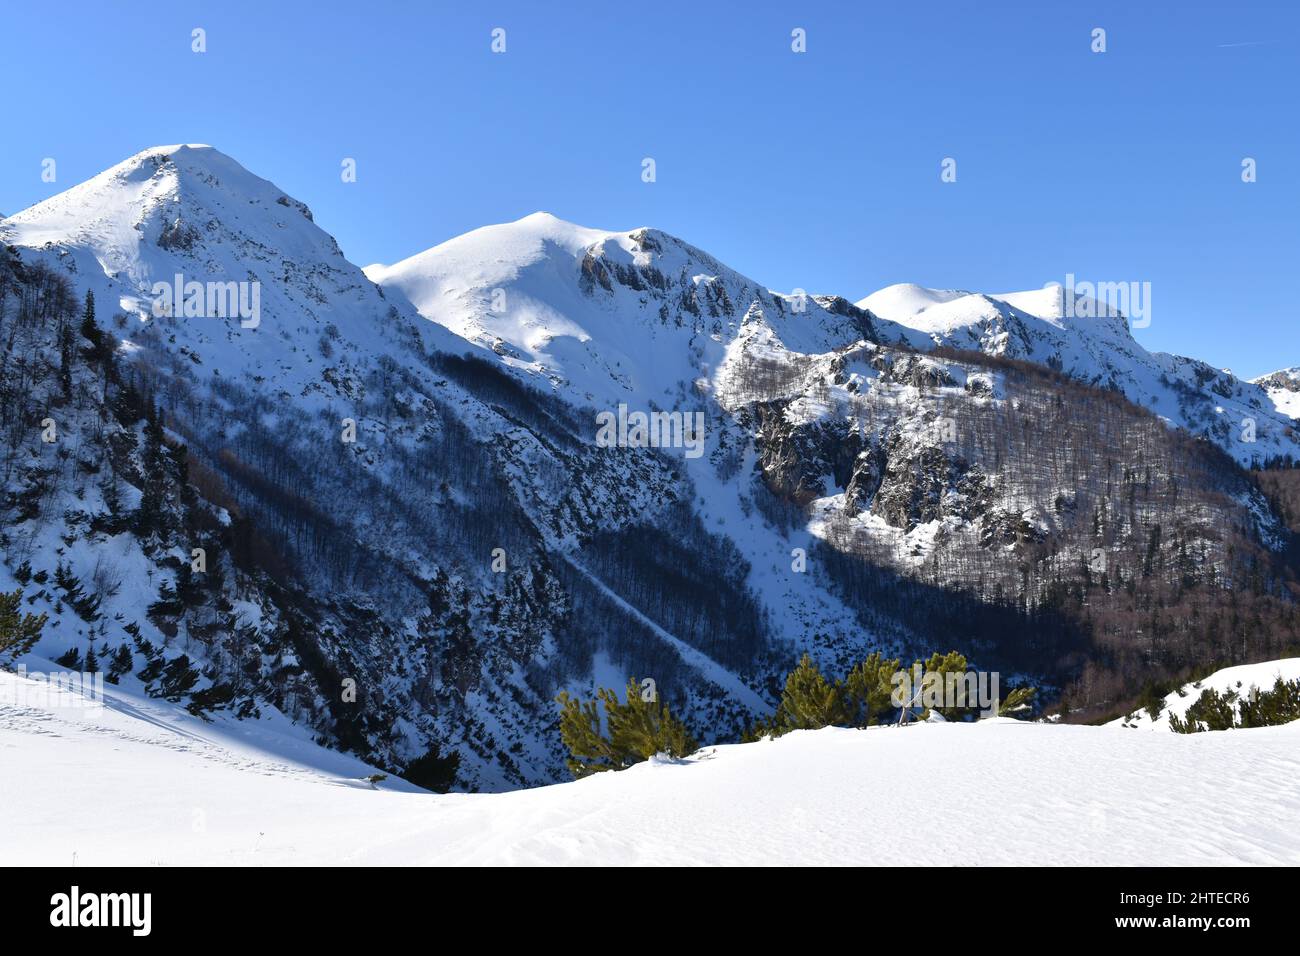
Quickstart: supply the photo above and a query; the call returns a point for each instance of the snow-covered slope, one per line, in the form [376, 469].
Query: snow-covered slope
[1283, 387]
[901, 301]
[606, 316]
[1251, 424]
[645, 319]
[131, 785]
[1239, 679]
[192, 211]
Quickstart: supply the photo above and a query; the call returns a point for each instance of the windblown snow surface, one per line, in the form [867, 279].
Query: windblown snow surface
[134, 782]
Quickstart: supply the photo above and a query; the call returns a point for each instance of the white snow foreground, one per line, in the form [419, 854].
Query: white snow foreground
[139, 783]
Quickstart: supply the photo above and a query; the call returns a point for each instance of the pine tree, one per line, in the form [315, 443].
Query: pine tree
[100, 350]
[65, 359]
[120, 664]
[1210, 711]
[154, 663]
[180, 468]
[127, 405]
[71, 659]
[644, 726]
[433, 771]
[19, 632]
[954, 664]
[1151, 699]
[809, 701]
[153, 496]
[869, 689]
[1019, 702]
[178, 677]
[636, 730]
[86, 605]
[580, 729]
[112, 520]
[1268, 708]
[88, 315]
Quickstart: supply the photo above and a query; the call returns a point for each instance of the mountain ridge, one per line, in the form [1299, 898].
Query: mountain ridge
[375, 558]
[1084, 340]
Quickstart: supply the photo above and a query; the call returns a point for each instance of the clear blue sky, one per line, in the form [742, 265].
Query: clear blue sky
[818, 170]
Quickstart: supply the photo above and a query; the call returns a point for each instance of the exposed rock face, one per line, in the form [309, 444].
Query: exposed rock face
[868, 474]
[178, 235]
[799, 462]
[1287, 378]
[915, 484]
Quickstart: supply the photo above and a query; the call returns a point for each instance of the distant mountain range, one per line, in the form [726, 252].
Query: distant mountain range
[413, 536]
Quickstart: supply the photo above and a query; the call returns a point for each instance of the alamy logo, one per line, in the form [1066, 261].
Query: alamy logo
[1102, 300]
[651, 430]
[56, 689]
[936, 689]
[209, 300]
[103, 909]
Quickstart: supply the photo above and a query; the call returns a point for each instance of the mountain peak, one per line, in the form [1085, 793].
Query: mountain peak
[190, 210]
[543, 217]
[144, 198]
[903, 299]
[602, 313]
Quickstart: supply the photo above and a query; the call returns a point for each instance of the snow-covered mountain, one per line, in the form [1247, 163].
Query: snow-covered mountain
[845, 418]
[192, 211]
[1094, 344]
[451, 559]
[130, 782]
[380, 561]
[511, 287]
[605, 316]
[415, 536]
